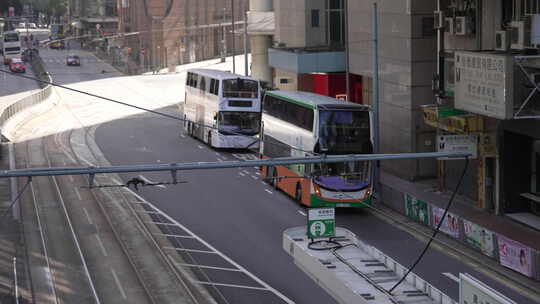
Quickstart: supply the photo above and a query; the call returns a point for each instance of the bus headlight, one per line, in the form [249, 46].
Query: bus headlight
[317, 191]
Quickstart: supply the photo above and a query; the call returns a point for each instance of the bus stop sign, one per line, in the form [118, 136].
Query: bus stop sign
[321, 223]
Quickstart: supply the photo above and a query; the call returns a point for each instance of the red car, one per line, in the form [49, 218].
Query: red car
[17, 66]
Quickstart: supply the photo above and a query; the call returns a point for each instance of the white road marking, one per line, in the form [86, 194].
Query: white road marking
[302, 212]
[122, 292]
[254, 177]
[71, 178]
[242, 174]
[451, 276]
[200, 147]
[268, 191]
[258, 173]
[245, 171]
[101, 245]
[87, 215]
[78, 194]
[182, 135]
[207, 245]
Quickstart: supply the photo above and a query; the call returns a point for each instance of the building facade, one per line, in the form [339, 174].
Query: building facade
[487, 95]
[166, 33]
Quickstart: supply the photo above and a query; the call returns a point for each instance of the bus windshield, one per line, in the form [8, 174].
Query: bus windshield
[56, 28]
[246, 123]
[348, 176]
[242, 88]
[344, 132]
[11, 37]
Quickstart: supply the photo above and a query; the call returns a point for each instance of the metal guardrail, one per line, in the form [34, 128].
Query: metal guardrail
[17, 106]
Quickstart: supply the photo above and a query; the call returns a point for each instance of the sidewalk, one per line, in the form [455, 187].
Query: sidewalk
[408, 198]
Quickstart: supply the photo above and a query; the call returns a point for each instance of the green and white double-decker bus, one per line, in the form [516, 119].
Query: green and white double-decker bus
[298, 124]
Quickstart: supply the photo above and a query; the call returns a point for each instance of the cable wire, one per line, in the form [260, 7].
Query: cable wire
[17, 198]
[143, 109]
[436, 231]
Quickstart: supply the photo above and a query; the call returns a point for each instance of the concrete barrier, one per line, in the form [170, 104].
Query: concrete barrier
[7, 111]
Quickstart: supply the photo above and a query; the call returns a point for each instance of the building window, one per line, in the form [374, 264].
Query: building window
[336, 23]
[315, 18]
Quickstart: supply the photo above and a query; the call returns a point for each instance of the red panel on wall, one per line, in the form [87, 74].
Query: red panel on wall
[331, 84]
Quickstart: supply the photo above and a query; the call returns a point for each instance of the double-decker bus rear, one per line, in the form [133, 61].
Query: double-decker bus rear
[11, 46]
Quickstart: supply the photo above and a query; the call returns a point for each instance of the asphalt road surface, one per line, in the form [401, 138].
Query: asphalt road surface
[244, 218]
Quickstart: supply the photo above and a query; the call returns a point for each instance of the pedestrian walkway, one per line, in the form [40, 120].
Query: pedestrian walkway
[498, 238]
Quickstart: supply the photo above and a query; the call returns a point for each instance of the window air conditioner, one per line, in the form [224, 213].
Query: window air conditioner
[449, 25]
[502, 43]
[462, 26]
[519, 35]
[438, 17]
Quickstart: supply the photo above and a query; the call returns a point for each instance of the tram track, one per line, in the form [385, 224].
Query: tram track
[68, 277]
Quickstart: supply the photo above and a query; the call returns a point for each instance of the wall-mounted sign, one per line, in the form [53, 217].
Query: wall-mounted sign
[484, 84]
[458, 143]
[451, 120]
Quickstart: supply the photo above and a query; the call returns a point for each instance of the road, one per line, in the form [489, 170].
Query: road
[233, 209]
[242, 216]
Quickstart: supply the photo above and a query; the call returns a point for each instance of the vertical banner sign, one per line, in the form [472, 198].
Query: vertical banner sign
[416, 209]
[473, 291]
[479, 237]
[11, 11]
[450, 224]
[515, 255]
[321, 223]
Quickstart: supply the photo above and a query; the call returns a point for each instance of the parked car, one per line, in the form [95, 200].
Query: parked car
[73, 59]
[17, 66]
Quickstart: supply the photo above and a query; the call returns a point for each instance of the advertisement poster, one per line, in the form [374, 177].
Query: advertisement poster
[479, 237]
[515, 255]
[450, 224]
[416, 209]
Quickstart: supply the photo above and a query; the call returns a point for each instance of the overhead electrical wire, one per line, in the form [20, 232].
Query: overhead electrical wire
[142, 108]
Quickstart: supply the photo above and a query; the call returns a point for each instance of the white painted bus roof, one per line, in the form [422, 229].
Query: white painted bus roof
[312, 99]
[218, 74]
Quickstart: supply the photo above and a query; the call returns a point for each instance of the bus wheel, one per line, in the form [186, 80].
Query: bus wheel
[210, 139]
[298, 193]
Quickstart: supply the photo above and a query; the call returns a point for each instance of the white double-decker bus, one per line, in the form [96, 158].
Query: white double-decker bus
[222, 109]
[299, 124]
[11, 46]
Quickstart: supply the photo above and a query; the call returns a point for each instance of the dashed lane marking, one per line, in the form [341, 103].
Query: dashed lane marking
[122, 292]
[242, 174]
[78, 194]
[100, 243]
[302, 212]
[268, 191]
[87, 215]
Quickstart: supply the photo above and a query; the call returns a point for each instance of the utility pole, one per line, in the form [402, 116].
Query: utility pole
[224, 40]
[376, 147]
[233, 46]
[246, 67]
[346, 40]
